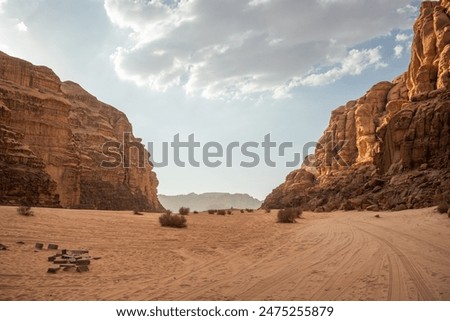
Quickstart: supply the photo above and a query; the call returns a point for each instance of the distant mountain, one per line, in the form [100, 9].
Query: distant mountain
[203, 202]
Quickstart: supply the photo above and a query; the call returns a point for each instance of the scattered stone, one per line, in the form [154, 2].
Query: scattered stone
[67, 265]
[99, 257]
[39, 246]
[52, 258]
[71, 259]
[83, 262]
[3, 247]
[53, 270]
[378, 216]
[82, 268]
[52, 247]
[20, 242]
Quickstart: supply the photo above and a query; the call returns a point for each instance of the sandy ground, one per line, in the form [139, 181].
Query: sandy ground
[338, 256]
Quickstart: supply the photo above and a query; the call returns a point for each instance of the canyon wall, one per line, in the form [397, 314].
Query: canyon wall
[389, 149]
[51, 145]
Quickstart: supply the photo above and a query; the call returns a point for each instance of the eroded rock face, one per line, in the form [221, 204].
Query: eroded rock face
[391, 147]
[23, 179]
[65, 128]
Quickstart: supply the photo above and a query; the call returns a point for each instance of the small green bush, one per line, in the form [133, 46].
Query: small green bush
[171, 220]
[184, 210]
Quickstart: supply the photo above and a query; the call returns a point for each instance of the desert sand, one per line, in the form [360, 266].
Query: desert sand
[328, 256]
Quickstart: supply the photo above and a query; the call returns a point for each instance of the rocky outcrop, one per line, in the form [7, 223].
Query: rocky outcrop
[390, 149]
[63, 128]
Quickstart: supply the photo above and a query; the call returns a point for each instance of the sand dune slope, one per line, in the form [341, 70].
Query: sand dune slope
[338, 256]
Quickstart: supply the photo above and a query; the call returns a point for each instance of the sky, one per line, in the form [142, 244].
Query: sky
[222, 71]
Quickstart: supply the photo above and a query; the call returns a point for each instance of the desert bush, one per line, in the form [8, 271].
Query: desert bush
[25, 210]
[288, 215]
[184, 210]
[443, 207]
[212, 211]
[221, 212]
[229, 212]
[242, 211]
[171, 220]
[249, 210]
[267, 210]
[195, 212]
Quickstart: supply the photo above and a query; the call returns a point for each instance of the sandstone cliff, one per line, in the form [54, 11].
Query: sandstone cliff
[51, 138]
[389, 149]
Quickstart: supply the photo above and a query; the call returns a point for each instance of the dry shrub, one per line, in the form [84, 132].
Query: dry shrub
[229, 212]
[195, 212]
[242, 211]
[221, 212]
[25, 211]
[267, 210]
[184, 210]
[171, 220]
[443, 207]
[249, 210]
[288, 215]
[212, 211]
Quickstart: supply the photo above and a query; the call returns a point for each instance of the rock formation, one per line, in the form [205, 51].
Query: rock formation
[390, 149]
[51, 145]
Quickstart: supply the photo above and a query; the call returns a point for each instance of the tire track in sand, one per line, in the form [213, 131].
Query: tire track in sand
[423, 290]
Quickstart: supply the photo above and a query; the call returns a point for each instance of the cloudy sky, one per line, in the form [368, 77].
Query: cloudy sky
[223, 70]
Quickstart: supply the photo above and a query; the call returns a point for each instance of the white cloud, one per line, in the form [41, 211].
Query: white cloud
[233, 49]
[353, 64]
[398, 51]
[21, 26]
[258, 2]
[408, 9]
[401, 37]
